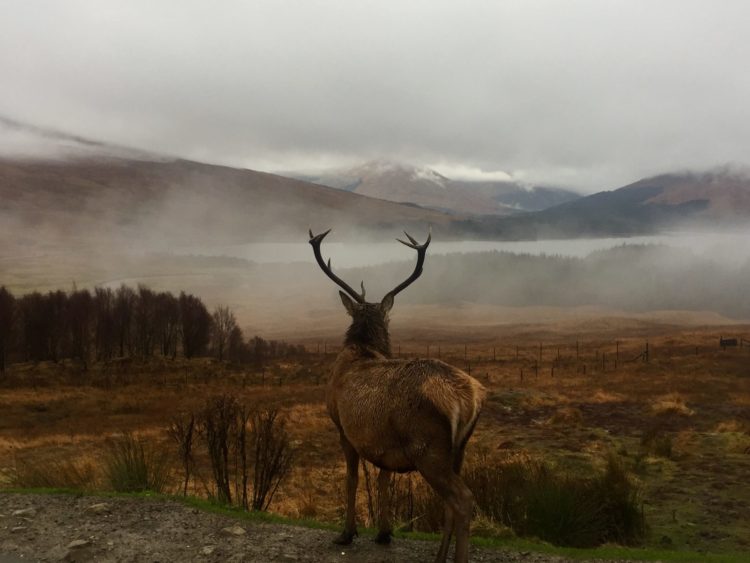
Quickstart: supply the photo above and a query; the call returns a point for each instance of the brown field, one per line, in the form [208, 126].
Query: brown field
[585, 398]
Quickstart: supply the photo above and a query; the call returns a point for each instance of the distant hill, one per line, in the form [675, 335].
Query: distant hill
[715, 199]
[62, 190]
[401, 182]
[184, 202]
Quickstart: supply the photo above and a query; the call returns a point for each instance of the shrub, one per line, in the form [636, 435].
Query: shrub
[219, 418]
[131, 465]
[242, 443]
[182, 431]
[535, 499]
[272, 457]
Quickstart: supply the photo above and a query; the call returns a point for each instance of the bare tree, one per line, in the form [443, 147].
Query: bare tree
[125, 299]
[104, 324]
[237, 349]
[7, 324]
[195, 325]
[168, 322]
[221, 329]
[80, 313]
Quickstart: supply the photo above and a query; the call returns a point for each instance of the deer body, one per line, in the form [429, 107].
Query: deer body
[400, 415]
[394, 410]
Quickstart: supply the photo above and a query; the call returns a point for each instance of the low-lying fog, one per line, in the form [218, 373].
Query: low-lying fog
[277, 289]
[731, 246]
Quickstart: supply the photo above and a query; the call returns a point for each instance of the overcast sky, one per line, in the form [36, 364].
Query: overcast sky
[589, 94]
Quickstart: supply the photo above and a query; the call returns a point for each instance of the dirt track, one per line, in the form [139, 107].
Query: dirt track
[84, 528]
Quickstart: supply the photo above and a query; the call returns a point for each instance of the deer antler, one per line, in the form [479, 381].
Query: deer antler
[421, 252]
[315, 241]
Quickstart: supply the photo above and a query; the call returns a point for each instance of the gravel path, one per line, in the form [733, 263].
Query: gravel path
[87, 528]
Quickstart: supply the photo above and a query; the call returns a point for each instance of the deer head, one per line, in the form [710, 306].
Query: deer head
[369, 328]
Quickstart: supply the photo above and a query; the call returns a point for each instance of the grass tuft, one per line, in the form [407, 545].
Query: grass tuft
[131, 466]
[65, 474]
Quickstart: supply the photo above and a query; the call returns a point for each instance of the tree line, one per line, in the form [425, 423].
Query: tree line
[111, 323]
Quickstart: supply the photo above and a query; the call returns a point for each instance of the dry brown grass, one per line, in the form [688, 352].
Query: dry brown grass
[671, 403]
[701, 403]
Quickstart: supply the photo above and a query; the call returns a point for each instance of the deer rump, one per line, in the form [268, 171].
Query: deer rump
[396, 411]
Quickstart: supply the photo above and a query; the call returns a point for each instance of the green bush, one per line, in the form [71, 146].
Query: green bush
[534, 499]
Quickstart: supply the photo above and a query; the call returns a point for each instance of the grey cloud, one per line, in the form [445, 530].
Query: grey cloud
[582, 93]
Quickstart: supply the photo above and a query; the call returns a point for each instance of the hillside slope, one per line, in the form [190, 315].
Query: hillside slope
[714, 200]
[179, 201]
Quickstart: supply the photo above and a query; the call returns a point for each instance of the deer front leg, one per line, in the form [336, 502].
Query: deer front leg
[384, 508]
[352, 476]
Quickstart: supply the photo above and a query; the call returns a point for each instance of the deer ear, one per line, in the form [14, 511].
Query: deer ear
[387, 303]
[348, 303]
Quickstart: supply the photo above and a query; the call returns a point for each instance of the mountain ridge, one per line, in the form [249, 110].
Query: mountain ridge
[426, 187]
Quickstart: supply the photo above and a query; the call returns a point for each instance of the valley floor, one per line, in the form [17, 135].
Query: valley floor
[679, 423]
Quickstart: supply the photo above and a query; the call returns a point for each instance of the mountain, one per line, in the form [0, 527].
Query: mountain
[59, 190]
[184, 202]
[401, 182]
[715, 199]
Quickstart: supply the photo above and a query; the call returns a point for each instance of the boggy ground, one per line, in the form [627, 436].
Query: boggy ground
[680, 422]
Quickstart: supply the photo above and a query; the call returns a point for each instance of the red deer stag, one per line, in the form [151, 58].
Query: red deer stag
[400, 415]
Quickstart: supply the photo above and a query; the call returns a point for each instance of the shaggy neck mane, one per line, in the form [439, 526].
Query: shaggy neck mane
[369, 332]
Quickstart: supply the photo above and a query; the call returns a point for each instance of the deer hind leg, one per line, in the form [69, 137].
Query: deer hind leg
[352, 476]
[458, 506]
[448, 521]
[445, 541]
[384, 507]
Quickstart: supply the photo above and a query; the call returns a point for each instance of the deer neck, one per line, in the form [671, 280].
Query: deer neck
[369, 338]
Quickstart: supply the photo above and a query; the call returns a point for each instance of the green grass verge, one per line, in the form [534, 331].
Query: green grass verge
[514, 544]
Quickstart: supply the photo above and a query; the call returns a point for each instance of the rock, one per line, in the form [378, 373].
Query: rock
[82, 555]
[100, 508]
[208, 550]
[235, 530]
[25, 512]
[77, 544]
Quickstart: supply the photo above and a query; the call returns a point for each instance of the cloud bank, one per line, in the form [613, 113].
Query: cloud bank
[585, 93]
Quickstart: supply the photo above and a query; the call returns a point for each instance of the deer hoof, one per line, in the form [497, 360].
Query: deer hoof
[345, 538]
[383, 538]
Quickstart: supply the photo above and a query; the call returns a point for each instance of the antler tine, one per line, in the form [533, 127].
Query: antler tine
[315, 241]
[411, 238]
[362, 284]
[421, 252]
